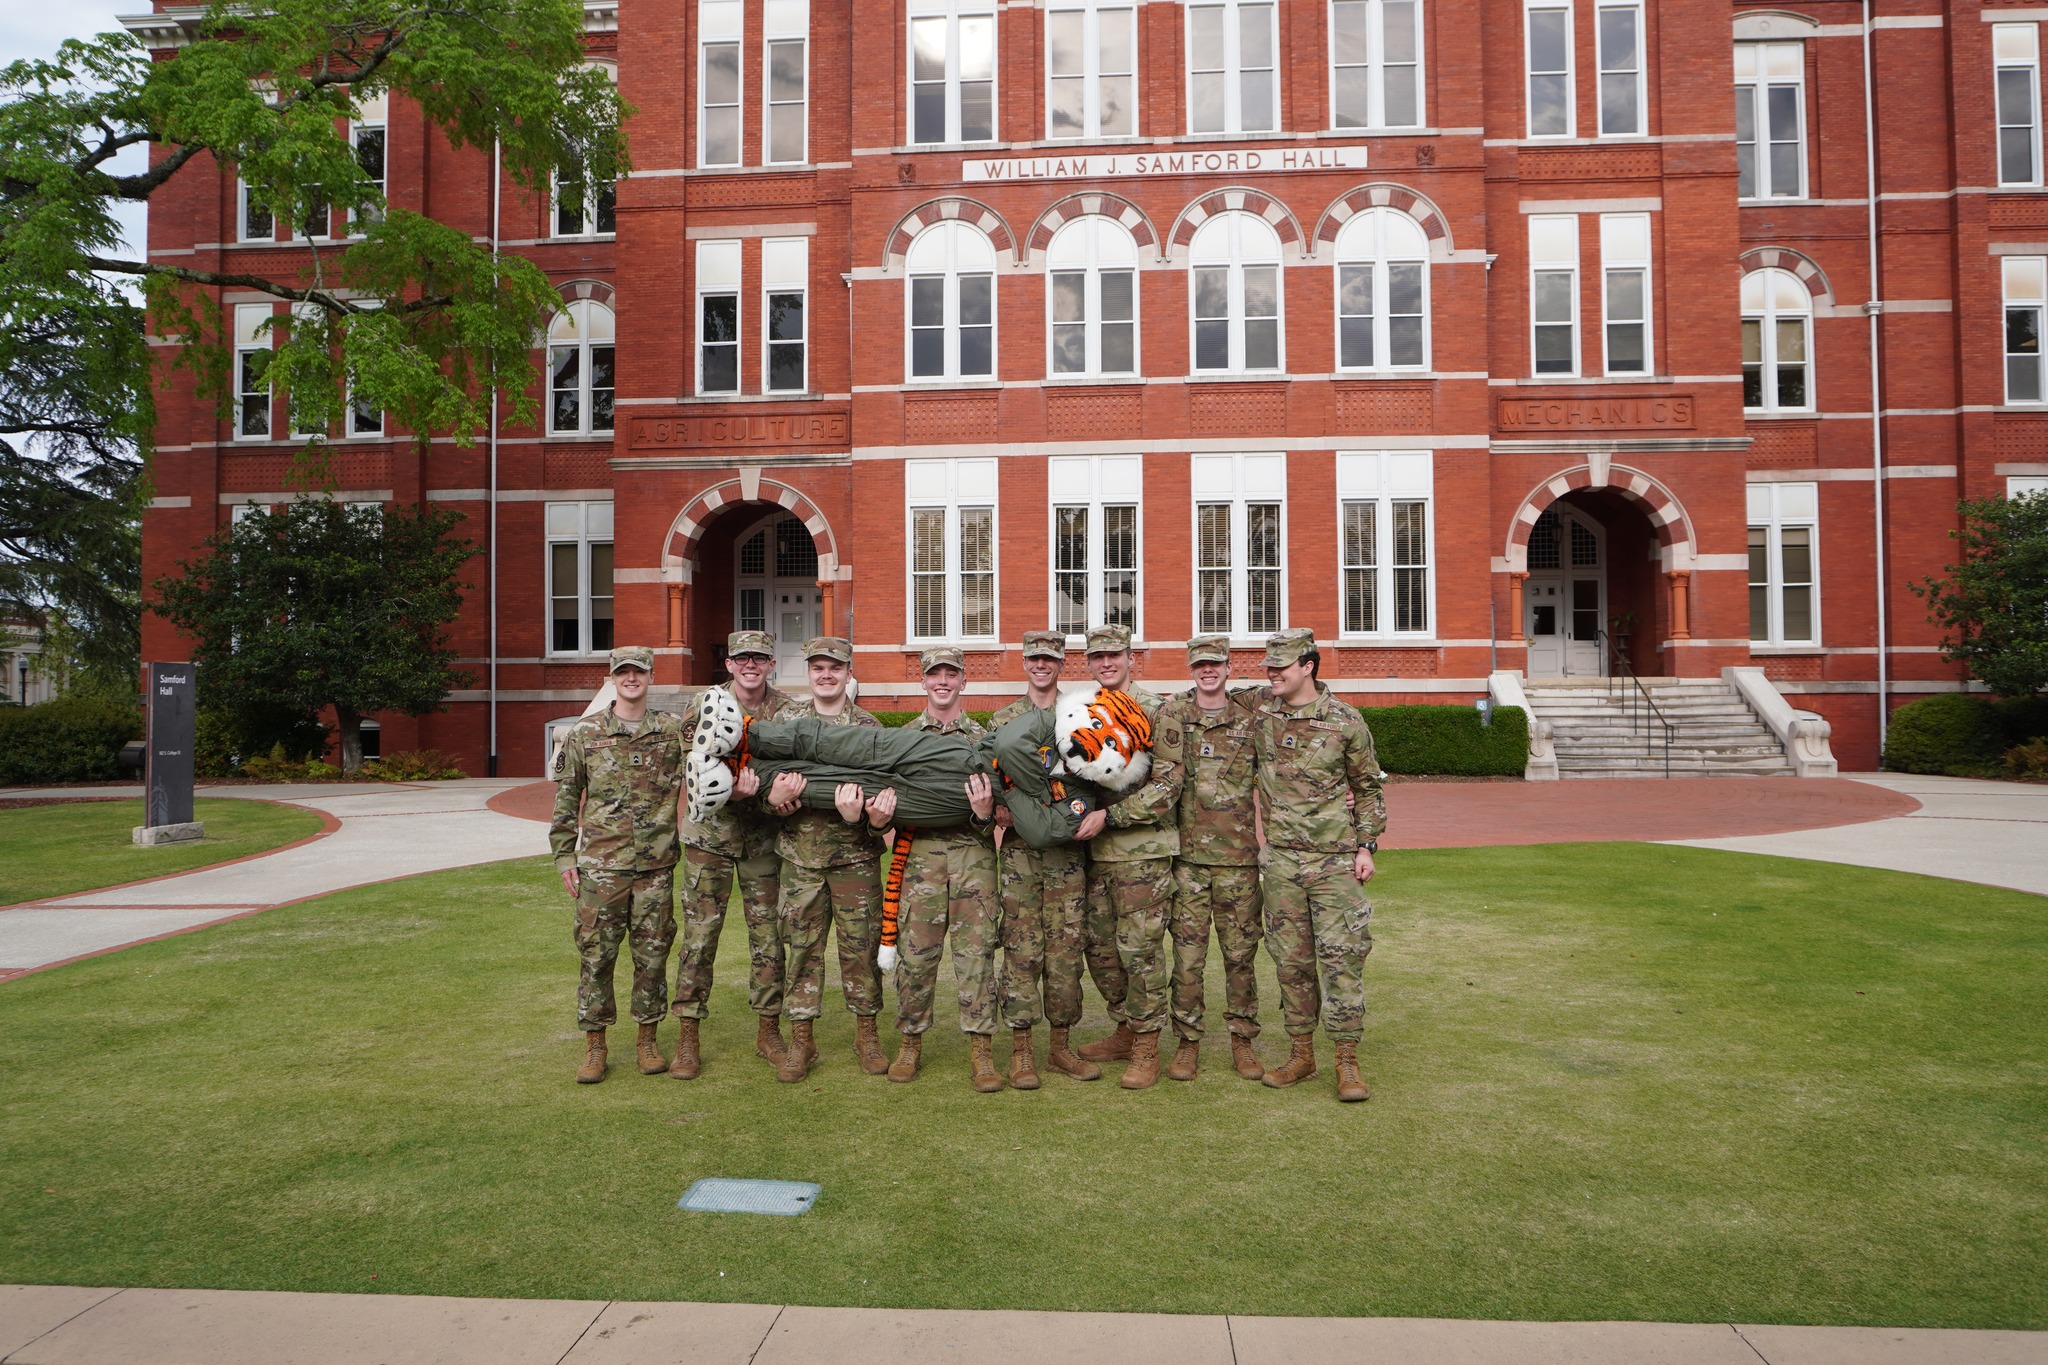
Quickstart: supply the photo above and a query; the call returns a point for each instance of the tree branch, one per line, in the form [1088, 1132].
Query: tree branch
[223, 279]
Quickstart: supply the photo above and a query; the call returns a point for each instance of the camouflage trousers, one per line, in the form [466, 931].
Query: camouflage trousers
[1127, 908]
[948, 884]
[623, 906]
[1045, 900]
[1318, 918]
[707, 890]
[1230, 897]
[847, 898]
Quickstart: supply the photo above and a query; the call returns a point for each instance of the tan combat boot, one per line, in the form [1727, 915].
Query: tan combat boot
[904, 1068]
[867, 1045]
[648, 1050]
[1351, 1086]
[1062, 1058]
[1114, 1048]
[1144, 1067]
[1245, 1058]
[687, 1063]
[1023, 1065]
[768, 1040]
[1187, 1060]
[594, 1064]
[1300, 1063]
[798, 1056]
[981, 1056]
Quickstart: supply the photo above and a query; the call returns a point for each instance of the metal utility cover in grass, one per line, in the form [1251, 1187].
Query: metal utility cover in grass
[785, 1198]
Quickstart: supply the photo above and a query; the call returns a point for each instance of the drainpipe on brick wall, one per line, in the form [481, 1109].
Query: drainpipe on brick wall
[491, 493]
[1874, 310]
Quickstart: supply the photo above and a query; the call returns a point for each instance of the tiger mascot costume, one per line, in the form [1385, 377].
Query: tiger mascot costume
[1104, 737]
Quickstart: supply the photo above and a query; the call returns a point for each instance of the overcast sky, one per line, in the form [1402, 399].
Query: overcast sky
[33, 28]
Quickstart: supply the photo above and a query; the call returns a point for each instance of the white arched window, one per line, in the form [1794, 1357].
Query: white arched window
[951, 298]
[1382, 292]
[580, 354]
[1092, 298]
[1234, 281]
[1777, 342]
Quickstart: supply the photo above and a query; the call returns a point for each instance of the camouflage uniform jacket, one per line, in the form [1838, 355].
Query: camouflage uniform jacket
[741, 829]
[1309, 758]
[619, 783]
[960, 834]
[1146, 823]
[1217, 824]
[819, 839]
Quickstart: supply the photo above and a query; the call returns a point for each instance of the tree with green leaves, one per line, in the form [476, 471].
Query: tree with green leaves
[318, 605]
[1993, 607]
[407, 314]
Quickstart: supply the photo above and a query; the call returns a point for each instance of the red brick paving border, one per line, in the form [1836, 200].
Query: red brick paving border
[1423, 814]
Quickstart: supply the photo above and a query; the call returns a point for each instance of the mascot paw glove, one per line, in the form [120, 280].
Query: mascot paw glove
[886, 959]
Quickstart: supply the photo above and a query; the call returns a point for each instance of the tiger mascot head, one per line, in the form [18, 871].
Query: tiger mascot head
[1104, 737]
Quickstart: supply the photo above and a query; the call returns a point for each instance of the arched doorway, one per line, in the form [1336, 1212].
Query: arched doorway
[1565, 600]
[775, 588]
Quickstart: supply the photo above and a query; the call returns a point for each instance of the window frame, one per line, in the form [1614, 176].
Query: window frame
[1568, 266]
[954, 82]
[1612, 262]
[253, 338]
[2031, 66]
[1239, 482]
[1530, 8]
[950, 326]
[1095, 484]
[1235, 316]
[1775, 521]
[1092, 321]
[244, 204]
[1381, 261]
[1233, 69]
[955, 487]
[1383, 480]
[1639, 56]
[1091, 76]
[780, 280]
[1375, 66]
[709, 281]
[2022, 301]
[585, 539]
[373, 116]
[1754, 91]
[728, 31]
[1769, 362]
[586, 368]
[785, 23]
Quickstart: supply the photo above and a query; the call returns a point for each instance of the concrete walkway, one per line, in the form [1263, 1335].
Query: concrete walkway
[63, 1326]
[385, 832]
[1995, 833]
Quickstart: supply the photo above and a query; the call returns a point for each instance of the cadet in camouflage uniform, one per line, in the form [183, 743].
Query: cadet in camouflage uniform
[831, 878]
[949, 883]
[621, 771]
[1045, 900]
[1217, 876]
[1130, 881]
[1313, 753]
[735, 843]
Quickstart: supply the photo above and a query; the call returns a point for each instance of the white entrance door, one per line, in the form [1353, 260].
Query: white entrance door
[1565, 598]
[1543, 605]
[775, 588]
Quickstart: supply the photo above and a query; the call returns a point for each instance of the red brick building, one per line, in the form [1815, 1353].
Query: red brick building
[1457, 330]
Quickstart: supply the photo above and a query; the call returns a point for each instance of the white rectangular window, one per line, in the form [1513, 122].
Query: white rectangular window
[369, 134]
[1240, 527]
[306, 318]
[2026, 278]
[579, 577]
[360, 416]
[1784, 564]
[1376, 64]
[718, 82]
[252, 371]
[1383, 513]
[1547, 34]
[2026, 485]
[2016, 48]
[1554, 292]
[1621, 69]
[1625, 291]
[1770, 120]
[1094, 541]
[253, 220]
[785, 139]
[952, 71]
[1090, 70]
[1232, 63]
[952, 533]
[785, 288]
[718, 317]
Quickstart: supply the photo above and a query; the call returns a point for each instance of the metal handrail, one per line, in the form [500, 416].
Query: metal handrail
[1629, 708]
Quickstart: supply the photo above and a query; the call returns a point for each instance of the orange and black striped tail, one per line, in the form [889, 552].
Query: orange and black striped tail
[892, 886]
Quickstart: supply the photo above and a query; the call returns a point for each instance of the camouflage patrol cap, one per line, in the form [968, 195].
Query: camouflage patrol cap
[750, 642]
[829, 647]
[1285, 647]
[1209, 649]
[1109, 639]
[942, 656]
[631, 656]
[1045, 644]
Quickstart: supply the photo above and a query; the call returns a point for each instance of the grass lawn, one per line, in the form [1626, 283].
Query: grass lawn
[84, 845]
[1611, 1081]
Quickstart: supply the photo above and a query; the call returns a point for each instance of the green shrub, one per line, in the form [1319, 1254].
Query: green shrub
[1951, 734]
[279, 766]
[227, 739]
[2028, 762]
[1449, 741]
[2022, 718]
[69, 739]
[413, 765]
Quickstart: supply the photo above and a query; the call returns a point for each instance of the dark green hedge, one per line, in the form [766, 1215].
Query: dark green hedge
[1961, 734]
[1433, 740]
[70, 739]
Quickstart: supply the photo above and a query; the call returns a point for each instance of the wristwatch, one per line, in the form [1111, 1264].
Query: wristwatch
[1371, 846]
